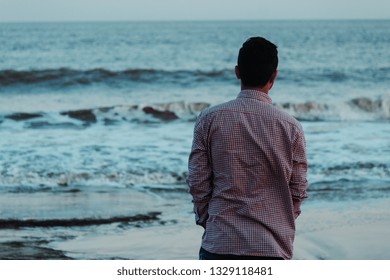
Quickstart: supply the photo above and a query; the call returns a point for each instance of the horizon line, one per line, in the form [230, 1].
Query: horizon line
[187, 20]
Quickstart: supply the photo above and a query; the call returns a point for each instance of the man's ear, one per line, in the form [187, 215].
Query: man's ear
[272, 79]
[237, 73]
[273, 76]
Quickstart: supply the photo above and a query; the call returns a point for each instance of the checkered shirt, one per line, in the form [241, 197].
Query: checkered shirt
[247, 177]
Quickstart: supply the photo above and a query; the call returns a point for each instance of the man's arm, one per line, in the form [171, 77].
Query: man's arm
[200, 174]
[298, 181]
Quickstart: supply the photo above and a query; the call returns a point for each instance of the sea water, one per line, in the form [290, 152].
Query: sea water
[96, 119]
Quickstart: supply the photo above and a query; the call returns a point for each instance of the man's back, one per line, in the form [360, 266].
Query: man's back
[251, 146]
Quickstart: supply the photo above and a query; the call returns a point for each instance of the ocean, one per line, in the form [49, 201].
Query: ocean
[96, 122]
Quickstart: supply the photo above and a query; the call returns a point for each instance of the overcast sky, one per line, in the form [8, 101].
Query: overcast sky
[118, 10]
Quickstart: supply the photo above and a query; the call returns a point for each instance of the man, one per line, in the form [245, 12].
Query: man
[247, 167]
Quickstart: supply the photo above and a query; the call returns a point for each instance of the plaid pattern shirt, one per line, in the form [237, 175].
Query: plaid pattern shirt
[247, 177]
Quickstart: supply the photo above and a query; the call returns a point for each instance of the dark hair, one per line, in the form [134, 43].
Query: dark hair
[257, 61]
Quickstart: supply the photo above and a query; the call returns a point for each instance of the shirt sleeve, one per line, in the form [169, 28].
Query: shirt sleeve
[200, 173]
[298, 181]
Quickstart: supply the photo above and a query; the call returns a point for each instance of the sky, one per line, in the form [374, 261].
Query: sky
[140, 10]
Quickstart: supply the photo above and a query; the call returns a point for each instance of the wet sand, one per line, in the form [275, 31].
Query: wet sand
[353, 230]
[356, 230]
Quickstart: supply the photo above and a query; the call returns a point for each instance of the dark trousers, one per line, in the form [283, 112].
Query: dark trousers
[206, 255]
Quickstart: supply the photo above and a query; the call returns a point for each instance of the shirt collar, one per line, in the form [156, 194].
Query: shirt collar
[255, 94]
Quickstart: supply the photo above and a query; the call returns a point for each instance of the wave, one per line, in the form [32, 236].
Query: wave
[17, 223]
[359, 109]
[334, 75]
[112, 115]
[153, 179]
[350, 180]
[66, 77]
[348, 189]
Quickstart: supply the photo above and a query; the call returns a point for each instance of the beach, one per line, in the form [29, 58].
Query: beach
[336, 231]
[96, 126]
[327, 232]
[330, 231]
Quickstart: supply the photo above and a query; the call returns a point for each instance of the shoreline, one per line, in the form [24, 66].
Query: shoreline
[354, 230]
[342, 230]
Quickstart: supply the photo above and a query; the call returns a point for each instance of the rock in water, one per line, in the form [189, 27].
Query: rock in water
[83, 115]
[22, 116]
[163, 115]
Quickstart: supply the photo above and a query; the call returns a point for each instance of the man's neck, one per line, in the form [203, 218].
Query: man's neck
[265, 89]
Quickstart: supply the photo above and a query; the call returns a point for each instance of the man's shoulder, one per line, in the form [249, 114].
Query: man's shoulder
[217, 108]
[283, 115]
[258, 108]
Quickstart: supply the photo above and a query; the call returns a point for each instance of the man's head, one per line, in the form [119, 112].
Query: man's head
[257, 62]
